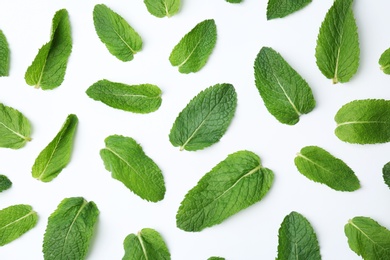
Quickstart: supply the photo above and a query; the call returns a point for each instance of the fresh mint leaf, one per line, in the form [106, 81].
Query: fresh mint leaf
[368, 238]
[216, 258]
[364, 121]
[320, 166]
[128, 163]
[144, 98]
[162, 8]
[285, 93]
[194, 49]
[15, 129]
[56, 155]
[234, 184]
[47, 71]
[282, 8]
[297, 239]
[120, 38]
[337, 50]
[70, 229]
[233, 2]
[15, 221]
[205, 119]
[384, 61]
[4, 55]
[386, 173]
[5, 183]
[146, 245]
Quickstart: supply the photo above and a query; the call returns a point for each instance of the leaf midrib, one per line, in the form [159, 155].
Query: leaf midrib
[120, 37]
[309, 160]
[362, 122]
[142, 245]
[16, 133]
[71, 225]
[361, 231]
[17, 220]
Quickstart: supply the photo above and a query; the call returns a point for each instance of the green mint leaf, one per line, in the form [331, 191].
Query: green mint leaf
[384, 61]
[120, 38]
[233, 2]
[337, 50]
[368, 238]
[4, 55]
[297, 239]
[128, 163]
[386, 173]
[146, 245]
[15, 129]
[216, 258]
[5, 183]
[15, 221]
[194, 49]
[234, 184]
[70, 229]
[285, 93]
[56, 155]
[162, 8]
[364, 121]
[205, 119]
[320, 166]
[144, 98]
[282, 8]
[49, 66]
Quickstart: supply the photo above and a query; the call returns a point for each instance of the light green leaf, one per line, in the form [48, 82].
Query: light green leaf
[15, 221]
[49, 66]
[194, 49]
[5, 183]
[120, 38]
[162, 8]
[337, 50]
[368, 238]
[284, 92]
[297, 239]
[15, 129]
[386, 173]
[56, 155]
[144, 98]
[320, 166]
[234, 184]
[205, 119]
[128, 163]
[70, 229]
[233, 2]
[364, 121]
[282, 8]
[4, 55]
[216, 258]
[384, 61]
[146, 245]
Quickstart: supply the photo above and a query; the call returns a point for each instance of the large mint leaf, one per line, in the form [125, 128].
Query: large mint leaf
[120, 38]
[70, 229]
[384, 61]
[162, 8]
[56, 155]
[144, 98]
[282, 8]
[146, 245]
[4, 55]
[205, 119]
[128, 163]
[234, 184]
[337, 50]
[49, 66]
[320, 166]
[15, 129]
[364, 121]
[15, 221]
[5, 183]
[284, 92]
[368, 238]
[194, 49]
[386, 173]
[297, 239]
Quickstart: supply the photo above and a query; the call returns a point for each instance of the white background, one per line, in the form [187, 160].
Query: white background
[242, 31]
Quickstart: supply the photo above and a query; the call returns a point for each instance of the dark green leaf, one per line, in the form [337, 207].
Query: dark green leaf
[282, 8]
